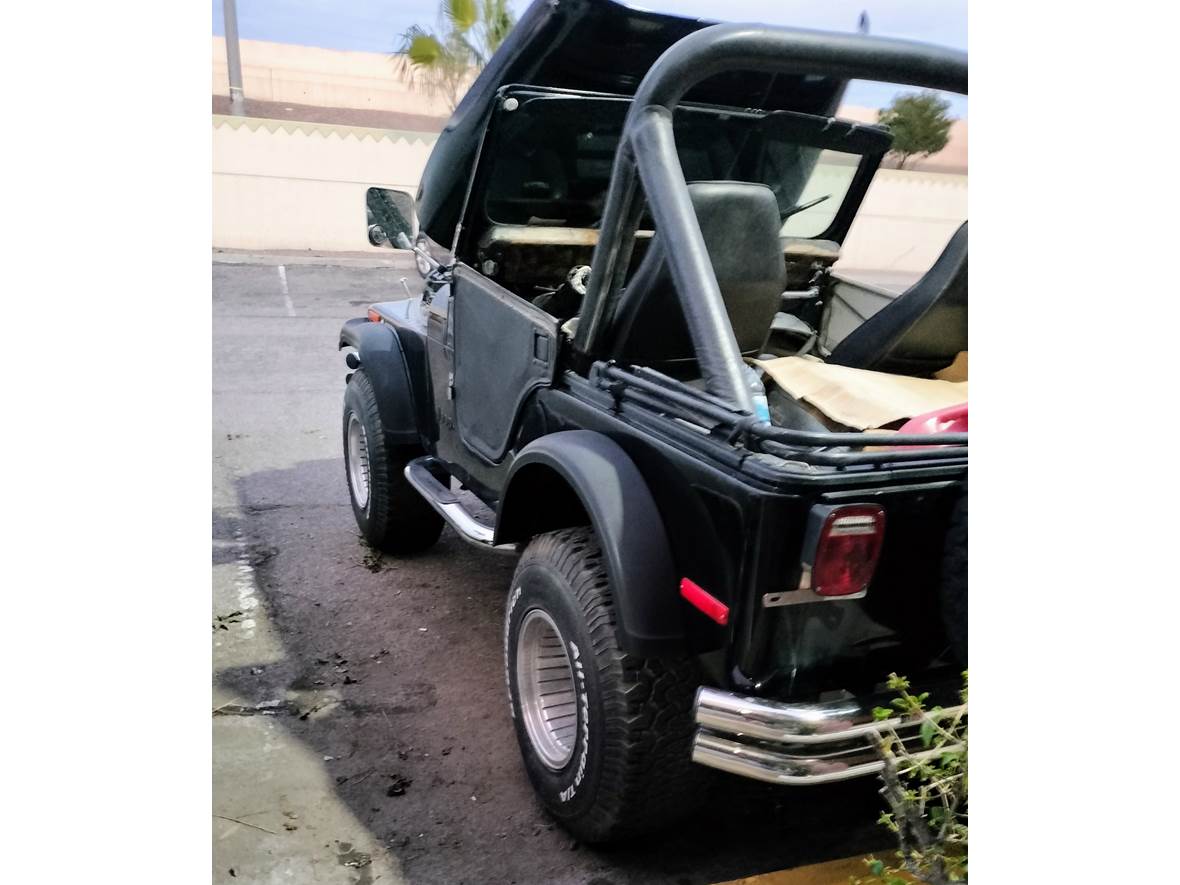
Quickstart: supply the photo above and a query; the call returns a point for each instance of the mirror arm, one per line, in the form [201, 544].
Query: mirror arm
[404, 242]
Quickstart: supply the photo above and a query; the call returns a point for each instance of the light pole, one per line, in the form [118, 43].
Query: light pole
[237, 104]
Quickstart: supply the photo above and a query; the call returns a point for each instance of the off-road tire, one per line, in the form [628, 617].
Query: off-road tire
[953, 590]
[630, 770]
[394, 518]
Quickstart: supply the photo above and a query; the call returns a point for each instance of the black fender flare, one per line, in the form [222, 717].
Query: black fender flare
[381, 356]
[623, 514]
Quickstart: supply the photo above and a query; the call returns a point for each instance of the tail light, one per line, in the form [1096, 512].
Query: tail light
[844, 544]
[374, 317]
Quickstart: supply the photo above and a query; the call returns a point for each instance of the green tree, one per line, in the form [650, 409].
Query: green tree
[440, 61]
[919, 124]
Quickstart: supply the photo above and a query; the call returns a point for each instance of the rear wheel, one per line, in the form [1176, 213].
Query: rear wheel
[390, 514]
[606, 736]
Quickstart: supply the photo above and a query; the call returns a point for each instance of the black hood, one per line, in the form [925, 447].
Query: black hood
[589, 46]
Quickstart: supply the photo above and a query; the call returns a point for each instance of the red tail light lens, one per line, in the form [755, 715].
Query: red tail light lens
[848, 549]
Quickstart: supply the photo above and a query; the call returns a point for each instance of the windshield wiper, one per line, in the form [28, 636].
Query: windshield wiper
[799, 207]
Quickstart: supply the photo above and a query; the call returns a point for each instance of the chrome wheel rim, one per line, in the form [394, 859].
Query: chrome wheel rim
[358, 462]
[545, 684]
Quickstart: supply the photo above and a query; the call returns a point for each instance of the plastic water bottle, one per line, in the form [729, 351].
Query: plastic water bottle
[757, 393]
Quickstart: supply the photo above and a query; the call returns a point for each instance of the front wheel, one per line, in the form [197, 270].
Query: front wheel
[606, 736]
[389, 512]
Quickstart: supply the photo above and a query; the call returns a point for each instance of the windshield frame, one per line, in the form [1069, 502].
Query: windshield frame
[869, 142]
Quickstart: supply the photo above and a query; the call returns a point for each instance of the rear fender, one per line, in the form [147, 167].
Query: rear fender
[572, 477]
[384, 362]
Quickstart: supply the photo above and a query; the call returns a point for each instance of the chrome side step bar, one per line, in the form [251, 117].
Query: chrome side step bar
[448, 505]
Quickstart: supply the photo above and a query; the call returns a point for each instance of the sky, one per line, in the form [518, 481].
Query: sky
[374, 25]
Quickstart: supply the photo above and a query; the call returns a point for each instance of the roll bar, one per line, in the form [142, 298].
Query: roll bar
[647, 153]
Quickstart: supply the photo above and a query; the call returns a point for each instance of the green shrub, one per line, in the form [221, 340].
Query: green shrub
[925, 789]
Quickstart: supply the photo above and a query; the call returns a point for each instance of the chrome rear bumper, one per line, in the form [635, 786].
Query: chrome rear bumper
[792, 744]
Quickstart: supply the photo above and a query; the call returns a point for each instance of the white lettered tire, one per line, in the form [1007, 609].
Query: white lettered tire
[605, 736]
[391, 515]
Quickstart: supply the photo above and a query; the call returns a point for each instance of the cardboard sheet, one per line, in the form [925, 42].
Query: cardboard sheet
[956, 371]
[859, 398]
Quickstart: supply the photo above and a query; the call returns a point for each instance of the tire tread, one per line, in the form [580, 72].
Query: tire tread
[648, 778]
[399, 521]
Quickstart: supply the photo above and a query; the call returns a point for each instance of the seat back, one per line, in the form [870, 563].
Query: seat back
[923, 329]
[740, 224]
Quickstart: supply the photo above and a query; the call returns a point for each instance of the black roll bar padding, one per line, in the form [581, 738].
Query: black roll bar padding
[647, 148]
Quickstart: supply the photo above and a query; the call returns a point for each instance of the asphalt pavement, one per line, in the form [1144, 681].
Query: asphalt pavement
[361, 731]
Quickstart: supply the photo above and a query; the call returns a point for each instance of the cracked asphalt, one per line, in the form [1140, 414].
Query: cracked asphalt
[360, 724]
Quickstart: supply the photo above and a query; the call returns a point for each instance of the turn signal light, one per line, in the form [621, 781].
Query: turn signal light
[849, 546]
[374, 317]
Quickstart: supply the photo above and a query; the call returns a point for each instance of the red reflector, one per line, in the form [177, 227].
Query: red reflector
[848, 550]
[705, 601]
[374, 317]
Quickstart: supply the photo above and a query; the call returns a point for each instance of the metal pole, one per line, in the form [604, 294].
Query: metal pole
[237, 103]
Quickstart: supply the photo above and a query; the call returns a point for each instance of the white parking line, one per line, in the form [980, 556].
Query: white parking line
[286, 294]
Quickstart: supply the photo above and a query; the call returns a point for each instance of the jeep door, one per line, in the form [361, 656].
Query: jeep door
[504, 349]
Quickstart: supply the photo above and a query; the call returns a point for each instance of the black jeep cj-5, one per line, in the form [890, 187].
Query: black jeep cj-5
[623, 209]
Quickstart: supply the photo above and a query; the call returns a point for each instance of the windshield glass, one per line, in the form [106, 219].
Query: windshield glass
[552, 157]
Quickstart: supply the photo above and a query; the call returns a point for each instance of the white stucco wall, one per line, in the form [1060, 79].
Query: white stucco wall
[284, 185]
[905, 220]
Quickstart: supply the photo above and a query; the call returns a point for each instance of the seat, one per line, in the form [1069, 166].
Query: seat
[525, 256]
[740, 223]
[923, 329]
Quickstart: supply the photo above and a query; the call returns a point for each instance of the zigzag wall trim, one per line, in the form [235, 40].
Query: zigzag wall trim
[360, 133]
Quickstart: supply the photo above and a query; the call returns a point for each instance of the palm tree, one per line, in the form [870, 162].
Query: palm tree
[440, 62]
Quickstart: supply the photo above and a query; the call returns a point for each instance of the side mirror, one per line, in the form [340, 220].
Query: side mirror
[389, 215]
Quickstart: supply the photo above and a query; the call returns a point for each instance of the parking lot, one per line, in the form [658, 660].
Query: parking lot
[361, 731]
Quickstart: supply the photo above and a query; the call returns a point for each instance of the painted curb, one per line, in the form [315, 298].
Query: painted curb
[833, 872]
